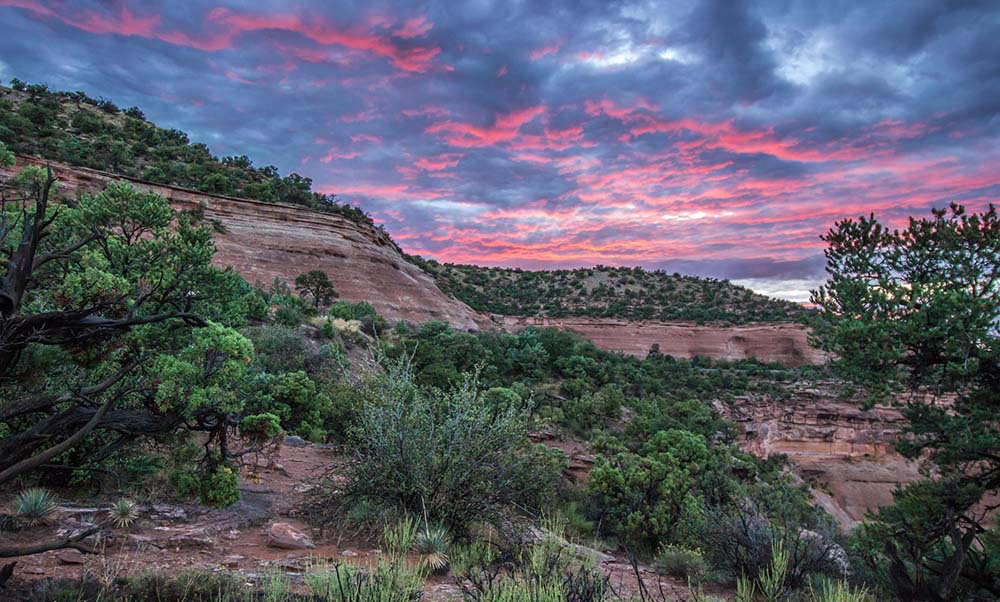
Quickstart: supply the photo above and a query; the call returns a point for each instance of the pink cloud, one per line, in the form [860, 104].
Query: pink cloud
[438, 162]
[539, 53]
[414, 28]
[356, 138]
[224, 25]
[505, 128]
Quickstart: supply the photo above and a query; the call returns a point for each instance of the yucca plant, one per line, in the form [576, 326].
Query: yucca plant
[838, 591]
[124, 512]
[432, 543]
[772, 579]
[746, 589]
[34, 506]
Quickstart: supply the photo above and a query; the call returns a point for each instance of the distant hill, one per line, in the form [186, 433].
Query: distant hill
[608, 292]
[73, 128]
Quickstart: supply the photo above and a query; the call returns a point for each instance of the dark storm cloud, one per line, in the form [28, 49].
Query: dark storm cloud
[713, 137]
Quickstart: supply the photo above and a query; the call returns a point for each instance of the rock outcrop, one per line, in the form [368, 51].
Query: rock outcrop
[783, 343]
[845, 453]
[266, 240]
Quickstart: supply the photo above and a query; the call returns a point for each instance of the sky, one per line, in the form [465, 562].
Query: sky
[718, 138]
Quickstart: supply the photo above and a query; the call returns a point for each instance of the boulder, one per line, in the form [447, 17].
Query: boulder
[287, 537]
[70, 556]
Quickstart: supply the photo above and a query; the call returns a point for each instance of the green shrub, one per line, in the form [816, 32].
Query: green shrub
[646, 496]
[289, 316]
[541, 573]
[295, 399]
[260, 427]
[830, 590]
[432, 544]
[446, 453]
[393, 581]
[124, 512]
[188, 586]
[680, 561]
[220, 489]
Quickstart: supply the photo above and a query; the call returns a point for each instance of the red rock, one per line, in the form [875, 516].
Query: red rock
[265, 240]
[70, 556]
[287, 537]
[784, 343]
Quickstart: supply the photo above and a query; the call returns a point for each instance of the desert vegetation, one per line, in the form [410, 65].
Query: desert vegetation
[608, 292]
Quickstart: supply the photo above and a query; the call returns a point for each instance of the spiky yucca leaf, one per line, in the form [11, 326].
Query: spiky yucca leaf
[34, 505]
[124, 512]
[432, 542]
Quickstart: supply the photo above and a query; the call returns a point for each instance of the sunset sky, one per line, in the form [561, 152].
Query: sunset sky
[716, 138]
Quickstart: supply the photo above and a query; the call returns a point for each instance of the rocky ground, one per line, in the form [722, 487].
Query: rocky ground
[261, 533]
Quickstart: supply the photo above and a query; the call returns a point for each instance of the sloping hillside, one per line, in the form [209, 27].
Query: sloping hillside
[608, 292]
[264, 241]
[73, 128]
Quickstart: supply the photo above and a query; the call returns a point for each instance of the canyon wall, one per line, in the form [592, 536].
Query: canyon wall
[845, 453]
[783, 343]
[267, 240]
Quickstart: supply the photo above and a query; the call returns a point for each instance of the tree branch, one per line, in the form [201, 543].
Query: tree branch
[36, 403]
[39, 459]
[57, 544]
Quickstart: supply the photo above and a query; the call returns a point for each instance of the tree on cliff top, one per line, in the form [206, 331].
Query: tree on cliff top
[918, 309]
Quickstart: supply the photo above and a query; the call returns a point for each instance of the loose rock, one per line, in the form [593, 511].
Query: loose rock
[287, 537]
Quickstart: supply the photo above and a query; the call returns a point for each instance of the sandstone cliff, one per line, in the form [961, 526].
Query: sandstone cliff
[264, 240]
[783, 343]
[844, 452]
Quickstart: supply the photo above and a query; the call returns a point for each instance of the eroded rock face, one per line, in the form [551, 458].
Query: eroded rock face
[263, 241]
[784, 343]
[847, 454]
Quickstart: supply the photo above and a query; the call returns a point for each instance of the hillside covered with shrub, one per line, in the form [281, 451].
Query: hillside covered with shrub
[608, 292]
[73, 128]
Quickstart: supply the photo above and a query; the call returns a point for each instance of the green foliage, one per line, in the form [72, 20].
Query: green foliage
[76, 129]
[296, 400]
[221, 488]
[260, 427]
[371, 322]
[123, 513]
[542, 572]
[387, 581]
[6, 157]
[645, 496]
[607, 292]
[34, 506]
[443, 452]
[918, 308]
[187, 586]
[204, 374]
[681, 561]
[288, 315]
[831, 590]
[316, 284]
[771, 581]
[432, 544]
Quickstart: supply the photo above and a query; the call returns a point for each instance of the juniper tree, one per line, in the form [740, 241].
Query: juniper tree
[913, 314]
